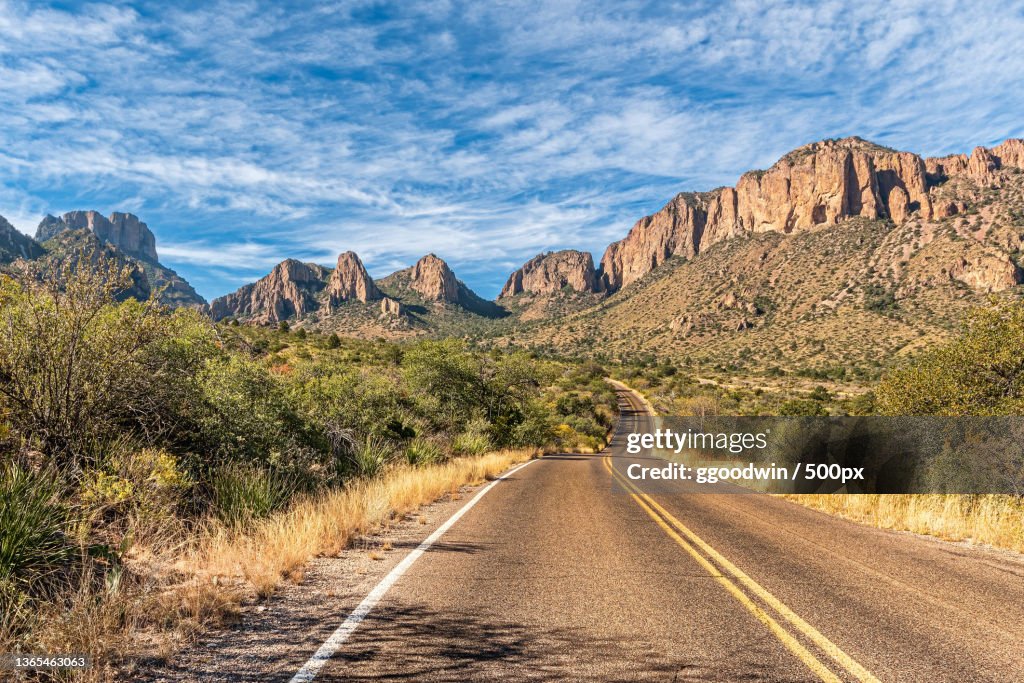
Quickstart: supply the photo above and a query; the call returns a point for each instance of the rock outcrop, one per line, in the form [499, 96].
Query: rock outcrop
[123, 230]
[15, 245]
[434, 280]
[552, 272]
[290, 290]
[351, 282]
[821, 183]
[391, 307]
[985, 272]
[982, 164]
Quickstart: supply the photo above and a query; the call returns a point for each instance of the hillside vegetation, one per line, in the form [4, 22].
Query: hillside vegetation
[145, 450]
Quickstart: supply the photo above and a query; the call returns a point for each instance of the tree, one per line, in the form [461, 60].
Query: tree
[77, 367]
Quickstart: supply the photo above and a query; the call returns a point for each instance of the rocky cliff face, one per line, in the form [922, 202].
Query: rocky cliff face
[981, 165]
[124, 230]
[434, 280]
[551, 272]
[15, 245]
[391, 307]
[822, 183]
[351, 282]
[290, 290]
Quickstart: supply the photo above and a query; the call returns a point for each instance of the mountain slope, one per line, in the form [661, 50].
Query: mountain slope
[132, 239]
[831, 270]
[15, 245]
[426, 298]
[823, 183]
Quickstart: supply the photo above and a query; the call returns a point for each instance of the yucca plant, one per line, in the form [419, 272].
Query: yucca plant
[244, 492]
[474, 440]
[370, 456]
[423, 452]
[35, 548]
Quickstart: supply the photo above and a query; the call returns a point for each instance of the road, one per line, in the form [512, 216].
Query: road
[561, 573]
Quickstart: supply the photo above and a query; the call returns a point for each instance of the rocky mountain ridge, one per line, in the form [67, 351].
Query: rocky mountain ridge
[121, 236]
[313, 294]
[822, 183]
[553, 271]
[123, 230]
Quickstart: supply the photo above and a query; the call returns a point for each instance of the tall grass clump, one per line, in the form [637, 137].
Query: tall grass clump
[370, 456]
[422, 451]
[242, 492]
[36, 550]
[995, 520]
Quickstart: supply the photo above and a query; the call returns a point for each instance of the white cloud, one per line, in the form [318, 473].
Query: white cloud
[485, 130]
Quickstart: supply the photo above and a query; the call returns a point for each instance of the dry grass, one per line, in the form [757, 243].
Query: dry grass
[276, 549]
[995, 520]
[175, 587]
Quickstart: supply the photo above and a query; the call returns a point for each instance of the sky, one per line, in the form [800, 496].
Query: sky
[484, 131]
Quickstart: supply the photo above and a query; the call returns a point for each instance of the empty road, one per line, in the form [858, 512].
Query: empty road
[562, 572]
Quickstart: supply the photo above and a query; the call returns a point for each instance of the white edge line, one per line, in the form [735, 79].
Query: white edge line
[312, 667]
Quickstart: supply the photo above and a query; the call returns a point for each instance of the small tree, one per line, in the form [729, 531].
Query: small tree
[77, 368]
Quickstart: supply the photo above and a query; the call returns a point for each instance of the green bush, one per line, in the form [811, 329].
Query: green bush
[421, 451]
[35, 546]
[242, 492]
[802, 408]
[474, 440]
[371, 456]
[981, 372]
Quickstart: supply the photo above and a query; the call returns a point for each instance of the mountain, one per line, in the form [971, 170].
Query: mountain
[417, 300]
[552, 285]
[131, 238]
[351, 282]
[15, 245]
[552, 272]
[67, 248]
[839, 258]
[124, 230]
[431, 283]
[290, 290]
[823, 183]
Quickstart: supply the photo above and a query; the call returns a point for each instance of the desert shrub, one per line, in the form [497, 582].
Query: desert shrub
[981, 372]
[422, 451]
[446, 381]
[535, 427]
[36, 548]
[104, 367]
[820, 393]
[802, 408]
[474, 440]
[370, 456]
[365, 401]
[245, 415]
[244, 491]
[144, 488]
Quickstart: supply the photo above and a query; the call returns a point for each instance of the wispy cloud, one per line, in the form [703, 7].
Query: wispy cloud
[245, 133]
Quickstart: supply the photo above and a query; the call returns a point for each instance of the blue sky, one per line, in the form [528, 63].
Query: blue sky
[486, 132]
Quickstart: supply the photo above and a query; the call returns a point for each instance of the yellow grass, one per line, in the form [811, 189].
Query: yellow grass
[185, 584]
[995, 520]
[276, 548]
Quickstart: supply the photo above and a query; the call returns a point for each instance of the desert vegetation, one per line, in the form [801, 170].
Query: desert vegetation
[158, 469]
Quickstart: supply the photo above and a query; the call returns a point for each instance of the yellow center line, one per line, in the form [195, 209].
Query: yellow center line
[667, 521]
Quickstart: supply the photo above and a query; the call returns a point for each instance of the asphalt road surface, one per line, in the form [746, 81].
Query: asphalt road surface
[563, 572]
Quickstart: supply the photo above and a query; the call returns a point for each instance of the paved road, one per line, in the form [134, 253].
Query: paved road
[560, 573]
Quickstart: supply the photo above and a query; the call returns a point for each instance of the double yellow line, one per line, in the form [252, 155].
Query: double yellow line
[732, 578]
